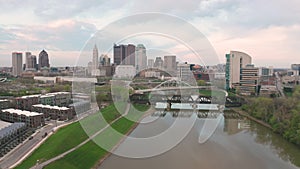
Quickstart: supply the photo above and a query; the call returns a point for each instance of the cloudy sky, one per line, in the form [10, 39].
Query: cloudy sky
[269, 31]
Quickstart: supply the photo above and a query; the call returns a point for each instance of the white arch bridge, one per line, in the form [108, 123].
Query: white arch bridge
[174, 85]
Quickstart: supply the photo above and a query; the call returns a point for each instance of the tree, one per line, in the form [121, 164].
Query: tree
[201, 83]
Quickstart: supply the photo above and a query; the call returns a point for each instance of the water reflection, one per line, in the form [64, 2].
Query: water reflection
[237, 143]
[279, 146]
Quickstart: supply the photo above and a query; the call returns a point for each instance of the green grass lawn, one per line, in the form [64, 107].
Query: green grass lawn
[83, 157]
[69, 137]
[209, 93]
[63, 140]
[89, 154]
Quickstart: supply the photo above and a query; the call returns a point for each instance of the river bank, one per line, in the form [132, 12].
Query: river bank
[236, 143]
[245, 114]
[96, 148]
[136, 124]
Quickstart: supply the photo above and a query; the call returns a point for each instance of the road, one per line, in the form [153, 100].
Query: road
[279, 84]
[21, 150]
[40, 166]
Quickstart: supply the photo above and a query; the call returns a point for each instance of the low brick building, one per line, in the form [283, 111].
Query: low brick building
[25, 102]
[5, 104]
[32, 119]
[54, 112]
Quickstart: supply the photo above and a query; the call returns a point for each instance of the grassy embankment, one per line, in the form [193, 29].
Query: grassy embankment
[68, 137]
[89, 154]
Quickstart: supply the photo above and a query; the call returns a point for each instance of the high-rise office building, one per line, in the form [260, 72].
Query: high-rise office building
[140, 57]
[17, 63]
[27, 55]
[130, 56]
[150, 63]
[159, 63]
[31, 62]
[249, 80]
[296, 69]
[235, 61]
[43, 60]
[184, 72]
[95, 61]
[170, 64]
[104, 60]
[124, 54]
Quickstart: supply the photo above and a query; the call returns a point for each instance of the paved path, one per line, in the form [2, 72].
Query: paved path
[21, 150]
[40, 166]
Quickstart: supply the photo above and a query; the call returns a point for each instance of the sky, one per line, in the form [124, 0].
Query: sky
[269, 31]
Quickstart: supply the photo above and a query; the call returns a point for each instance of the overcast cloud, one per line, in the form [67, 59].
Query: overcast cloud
[267, 30]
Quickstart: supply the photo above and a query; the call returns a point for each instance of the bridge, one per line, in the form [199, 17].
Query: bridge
[176, 91]
[201, 115]
[175, 85]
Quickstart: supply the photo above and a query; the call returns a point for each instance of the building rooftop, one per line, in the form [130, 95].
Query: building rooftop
[4, 100]
[30, 96]
[21, 112]
[44, 96]
[51, 107]
[47, 95]
[4, 124]
[55, 93]
[10, 128]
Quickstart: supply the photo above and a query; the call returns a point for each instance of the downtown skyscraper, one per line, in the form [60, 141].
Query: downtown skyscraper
[124, 54]
[43, 60]
[31, 62]
[17, 63]
[140, 57]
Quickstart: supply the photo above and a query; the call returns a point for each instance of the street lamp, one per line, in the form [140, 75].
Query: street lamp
[37, 163]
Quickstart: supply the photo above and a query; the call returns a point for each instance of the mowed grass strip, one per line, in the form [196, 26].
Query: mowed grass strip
[68, 137]
[63, 140]
[88, 155]
[84, 157]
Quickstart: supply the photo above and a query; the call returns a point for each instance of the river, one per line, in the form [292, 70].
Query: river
[236, 144]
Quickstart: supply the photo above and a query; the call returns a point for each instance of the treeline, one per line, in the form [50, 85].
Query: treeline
[283, 114]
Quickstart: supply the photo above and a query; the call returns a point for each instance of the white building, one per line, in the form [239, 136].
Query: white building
[95, 62]
[125, 71]
[152, 74]
[184, 72]
[140, 57]
[235, 61]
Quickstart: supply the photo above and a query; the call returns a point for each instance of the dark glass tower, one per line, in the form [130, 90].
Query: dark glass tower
[43, 59]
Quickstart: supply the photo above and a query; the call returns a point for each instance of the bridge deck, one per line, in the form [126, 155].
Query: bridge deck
[188, 106]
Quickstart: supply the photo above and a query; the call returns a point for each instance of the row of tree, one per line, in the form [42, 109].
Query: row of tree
[283, 114]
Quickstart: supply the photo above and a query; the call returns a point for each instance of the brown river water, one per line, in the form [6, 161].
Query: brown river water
[236, 144]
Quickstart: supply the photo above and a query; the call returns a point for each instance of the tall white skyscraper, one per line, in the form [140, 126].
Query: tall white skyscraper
[95, 58]
[95, 62]
[17, 63]
[235, 61]
[140, 57]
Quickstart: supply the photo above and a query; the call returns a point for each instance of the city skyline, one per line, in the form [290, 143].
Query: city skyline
[247, 26]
